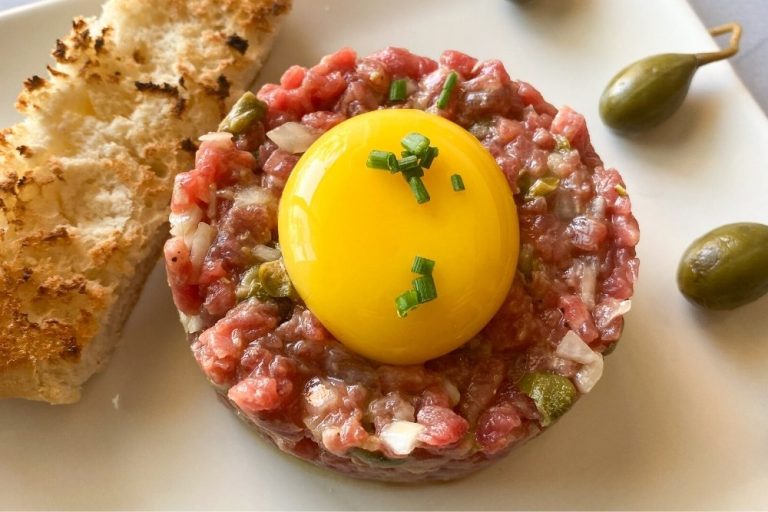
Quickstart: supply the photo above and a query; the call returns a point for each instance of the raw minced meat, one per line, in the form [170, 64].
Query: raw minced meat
[283, 372]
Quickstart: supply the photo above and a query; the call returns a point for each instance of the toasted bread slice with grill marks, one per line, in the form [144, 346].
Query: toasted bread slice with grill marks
[86, 178]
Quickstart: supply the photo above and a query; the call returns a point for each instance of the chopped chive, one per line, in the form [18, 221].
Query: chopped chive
[457, 183]
[382, 160]
[405, 302]
[429, 155]
[397, 90]
[445, 94]
[423, 266]
[620, 190]
[408, 162]
[419, 190]
[404, 153]
[416, 143]
[425, 288]
[416, 172]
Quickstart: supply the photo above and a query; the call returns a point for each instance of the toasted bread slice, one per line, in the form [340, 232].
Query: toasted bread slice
[86, 178]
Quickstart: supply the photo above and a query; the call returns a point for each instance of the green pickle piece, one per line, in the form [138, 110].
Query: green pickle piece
[250, 286]
[243, 113]
[553, 394]
[542, 187]
[274, 279]
[375, 458]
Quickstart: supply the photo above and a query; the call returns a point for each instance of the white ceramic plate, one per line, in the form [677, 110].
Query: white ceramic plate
[680, 417]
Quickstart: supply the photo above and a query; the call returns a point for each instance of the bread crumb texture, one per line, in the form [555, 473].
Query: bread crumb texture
[86, 178]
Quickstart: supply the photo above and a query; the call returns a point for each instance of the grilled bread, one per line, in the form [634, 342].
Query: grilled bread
[86, 177]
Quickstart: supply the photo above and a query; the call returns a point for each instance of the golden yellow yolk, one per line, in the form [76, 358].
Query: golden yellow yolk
[349, 235]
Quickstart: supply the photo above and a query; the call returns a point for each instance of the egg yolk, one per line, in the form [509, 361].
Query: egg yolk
[349, 235]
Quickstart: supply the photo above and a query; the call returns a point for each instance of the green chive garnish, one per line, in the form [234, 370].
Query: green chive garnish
[445, 94]
[425, 289]
[429, 155]
[382, 160]
[419, 190]
[457, 183]
[406, 302]
[423, 266]
[416, 143]
[397, 90]
[408, 162]
[416, 172]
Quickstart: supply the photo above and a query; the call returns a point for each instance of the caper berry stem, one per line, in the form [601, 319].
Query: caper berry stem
[733, 45]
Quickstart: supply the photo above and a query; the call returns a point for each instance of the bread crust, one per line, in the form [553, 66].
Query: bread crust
[86, 178]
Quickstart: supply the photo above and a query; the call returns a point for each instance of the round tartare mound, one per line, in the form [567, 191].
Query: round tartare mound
[284, 373]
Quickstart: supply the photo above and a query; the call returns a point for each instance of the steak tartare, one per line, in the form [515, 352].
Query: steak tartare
[283, 372]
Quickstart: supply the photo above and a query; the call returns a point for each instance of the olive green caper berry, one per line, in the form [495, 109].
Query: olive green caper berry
[726, 267]
[647, 92]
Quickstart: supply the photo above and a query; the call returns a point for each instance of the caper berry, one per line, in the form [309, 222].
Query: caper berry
[727, 267]
[649, 91]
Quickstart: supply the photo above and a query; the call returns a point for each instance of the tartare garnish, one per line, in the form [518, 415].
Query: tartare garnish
[424, 289]
[397, 90]
[382, 160]
[423, 266]
[415, 143]
[243, 113]
[457, 183]
[417, 156]
[445, 94]
[418, 189]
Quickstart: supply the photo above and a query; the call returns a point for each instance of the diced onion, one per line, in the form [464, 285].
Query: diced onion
[589, 374]
[400, 436]
[453, 392]
[252, 195]
[319, 395]
[191, 323]
[588, 281]
[411, 86]
[573, 348]
[185, 223]
[621, 309]
[596, 208]
[293, 137]
[216, 137]
[266, 253]
[199, 242]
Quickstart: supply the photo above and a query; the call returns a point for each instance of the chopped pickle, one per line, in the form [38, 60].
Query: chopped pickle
[620, 190]
[250, 286]
[543, 186]
[562, 144]
[375, 458]
[553, 394]
[524, 182]
[244, 112]
[525, 261]
[274, 278]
